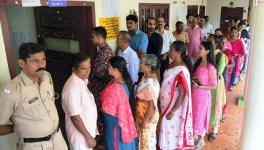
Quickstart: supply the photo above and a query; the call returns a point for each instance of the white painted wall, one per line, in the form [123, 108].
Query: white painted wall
[213, 9]
[126, 6]
[252, 130]
[6, 142]
[4, 72]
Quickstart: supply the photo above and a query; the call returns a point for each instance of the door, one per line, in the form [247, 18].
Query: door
[228, 14]
[193, 9]
[64, 31]
[152, 10]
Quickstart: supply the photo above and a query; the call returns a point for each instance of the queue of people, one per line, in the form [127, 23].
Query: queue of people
[161, 91]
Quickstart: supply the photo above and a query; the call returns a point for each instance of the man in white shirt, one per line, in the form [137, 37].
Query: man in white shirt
[79, 106]
[207, 27]
[168, 39]
[167, 36]
[128, 54]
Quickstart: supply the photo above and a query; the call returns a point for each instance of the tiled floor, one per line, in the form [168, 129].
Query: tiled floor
[229, 135]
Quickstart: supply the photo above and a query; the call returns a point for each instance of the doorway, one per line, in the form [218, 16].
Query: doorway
[227, 15]
[62, 30]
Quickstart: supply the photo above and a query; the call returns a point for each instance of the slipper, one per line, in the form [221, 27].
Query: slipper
[200, 144]
[212, 137]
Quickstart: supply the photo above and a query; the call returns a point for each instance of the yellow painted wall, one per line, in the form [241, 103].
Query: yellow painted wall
[125, 6]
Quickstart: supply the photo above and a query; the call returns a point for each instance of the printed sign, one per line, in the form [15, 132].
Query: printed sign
[111, 25]
[57, 3]
[30, 3]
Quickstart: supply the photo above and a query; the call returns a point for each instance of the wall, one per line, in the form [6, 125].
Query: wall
[22, 28]
[4, 76]
[6, 142]
[125, 6]
[213, 9]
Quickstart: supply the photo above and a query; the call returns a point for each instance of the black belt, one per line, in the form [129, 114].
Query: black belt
[41, 139]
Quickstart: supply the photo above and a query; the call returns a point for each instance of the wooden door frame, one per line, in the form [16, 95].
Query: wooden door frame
[222, 15]
[198, 9]
[6, 32]
[150, 5]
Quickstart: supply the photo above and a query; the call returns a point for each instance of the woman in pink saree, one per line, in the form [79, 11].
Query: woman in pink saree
[176, 131]
[119, 126]
[239, 50]
[203, 81]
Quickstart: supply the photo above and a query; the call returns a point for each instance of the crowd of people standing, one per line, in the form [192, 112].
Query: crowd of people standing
[160, 90]
[165, 88]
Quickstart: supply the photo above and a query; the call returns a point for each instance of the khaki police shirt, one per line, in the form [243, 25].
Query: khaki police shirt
[29, 106]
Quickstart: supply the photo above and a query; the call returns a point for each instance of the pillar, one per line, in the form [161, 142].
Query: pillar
[253, 123]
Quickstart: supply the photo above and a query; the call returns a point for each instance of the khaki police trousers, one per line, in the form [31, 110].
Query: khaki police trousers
[55, 143]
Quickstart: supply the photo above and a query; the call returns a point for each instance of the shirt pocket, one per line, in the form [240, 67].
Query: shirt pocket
[34, 109]
[84, 98]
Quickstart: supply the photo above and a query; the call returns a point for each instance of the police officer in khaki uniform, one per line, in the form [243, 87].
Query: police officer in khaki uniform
[27, 104]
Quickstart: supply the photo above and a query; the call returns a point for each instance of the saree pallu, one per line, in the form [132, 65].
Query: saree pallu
[120, 130]
[177, 133]
[147, 91]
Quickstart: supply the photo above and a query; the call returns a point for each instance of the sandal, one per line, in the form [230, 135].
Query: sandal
[222, 119]
[212, 137]
[200, 144]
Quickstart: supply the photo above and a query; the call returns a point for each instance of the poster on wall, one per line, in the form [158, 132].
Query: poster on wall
[179, 12]
[111, 25]
[30, 3]
[110, 8]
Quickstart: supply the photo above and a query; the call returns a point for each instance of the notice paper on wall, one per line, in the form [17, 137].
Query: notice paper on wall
[111, 25]
[179, 12]
[110, 8]
[30, 3]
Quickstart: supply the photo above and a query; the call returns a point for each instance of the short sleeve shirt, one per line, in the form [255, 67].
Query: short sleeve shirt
[78, 100]
[168, 39]
[139, 40]
[29, 106]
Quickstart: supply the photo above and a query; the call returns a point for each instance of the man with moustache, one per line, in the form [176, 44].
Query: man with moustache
[168, 39]
[27, 104]
[131, 57]
[196, 36]
[155, 40]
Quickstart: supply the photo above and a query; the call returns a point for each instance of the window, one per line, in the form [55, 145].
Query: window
[193, 9]
[152, 10]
